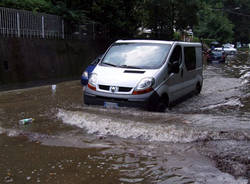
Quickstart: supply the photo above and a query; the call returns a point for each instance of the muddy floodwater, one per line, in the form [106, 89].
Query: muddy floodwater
[204, 139]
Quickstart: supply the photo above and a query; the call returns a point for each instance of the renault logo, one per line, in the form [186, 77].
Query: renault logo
[113, 89]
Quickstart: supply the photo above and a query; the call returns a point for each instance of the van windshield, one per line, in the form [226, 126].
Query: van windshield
[137, 55]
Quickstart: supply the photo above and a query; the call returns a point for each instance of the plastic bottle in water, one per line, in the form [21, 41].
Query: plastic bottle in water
[26, 121]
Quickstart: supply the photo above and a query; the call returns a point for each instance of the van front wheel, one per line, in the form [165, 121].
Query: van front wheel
[160, 105]
[198, 89]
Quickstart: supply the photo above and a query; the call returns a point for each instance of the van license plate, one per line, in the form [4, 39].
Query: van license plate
[110, 105]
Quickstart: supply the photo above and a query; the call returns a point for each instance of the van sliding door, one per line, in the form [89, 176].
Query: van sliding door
[190, 68]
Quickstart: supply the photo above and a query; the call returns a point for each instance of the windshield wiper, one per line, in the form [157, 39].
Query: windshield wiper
[127, 66]
[110, 64]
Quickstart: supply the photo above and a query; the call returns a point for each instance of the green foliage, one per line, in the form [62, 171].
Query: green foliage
[158, 18]
[120, 16]
[163, 16]
[185, 13]
[213, 24]
[224, 21]
[72, 15]
[31, 5]
[208, 41]
[177, 36]
[196, 39]
[238, 11]
[46, 6]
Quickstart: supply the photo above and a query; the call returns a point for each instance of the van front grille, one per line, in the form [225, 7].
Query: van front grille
[120, 89]
[124, 89]
[104, 87]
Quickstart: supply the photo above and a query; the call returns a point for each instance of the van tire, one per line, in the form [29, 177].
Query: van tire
[161, 107]
[158, 104]
[162, 104]
[197, 89]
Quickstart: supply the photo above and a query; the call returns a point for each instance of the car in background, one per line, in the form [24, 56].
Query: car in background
[227, 49]
[87, 72]
[216, 56]
[228, 45]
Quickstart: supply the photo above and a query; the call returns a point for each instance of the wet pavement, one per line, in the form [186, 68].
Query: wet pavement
[204, 139]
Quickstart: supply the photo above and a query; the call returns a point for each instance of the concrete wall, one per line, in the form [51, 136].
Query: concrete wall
[23, 60]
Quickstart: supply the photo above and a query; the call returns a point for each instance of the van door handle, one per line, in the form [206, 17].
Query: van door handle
[182, 72]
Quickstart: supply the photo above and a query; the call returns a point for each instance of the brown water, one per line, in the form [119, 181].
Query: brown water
[204, 139]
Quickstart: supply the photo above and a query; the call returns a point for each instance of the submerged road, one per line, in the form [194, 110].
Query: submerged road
[204, 139]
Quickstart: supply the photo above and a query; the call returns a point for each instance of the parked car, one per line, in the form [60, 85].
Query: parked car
[86, 73]
[145, 73]
[228, 45]
[227, 50]
[217, 56]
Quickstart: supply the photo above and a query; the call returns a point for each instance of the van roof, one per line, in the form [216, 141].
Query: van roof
[159, 41]
[144, 41]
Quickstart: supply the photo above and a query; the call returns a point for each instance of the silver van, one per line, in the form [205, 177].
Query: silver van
[145, 73]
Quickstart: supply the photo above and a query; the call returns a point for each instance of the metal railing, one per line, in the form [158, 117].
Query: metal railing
[21, 23]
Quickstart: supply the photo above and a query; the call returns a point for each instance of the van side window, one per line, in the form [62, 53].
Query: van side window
[190, 58]
[176, 55]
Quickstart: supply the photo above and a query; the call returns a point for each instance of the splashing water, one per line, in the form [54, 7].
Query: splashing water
[129, 129]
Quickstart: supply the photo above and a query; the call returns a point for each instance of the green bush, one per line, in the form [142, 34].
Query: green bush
[196, 39]
[177, 36]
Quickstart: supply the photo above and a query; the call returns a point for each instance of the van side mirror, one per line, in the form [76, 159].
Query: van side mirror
[173, 67]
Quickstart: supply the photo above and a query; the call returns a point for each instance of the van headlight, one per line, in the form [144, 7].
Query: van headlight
[144, 86]
[92, 81]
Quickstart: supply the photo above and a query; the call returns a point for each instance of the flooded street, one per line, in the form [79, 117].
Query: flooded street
[204, 139]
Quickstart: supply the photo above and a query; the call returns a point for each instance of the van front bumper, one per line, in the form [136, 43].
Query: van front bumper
[99, 98]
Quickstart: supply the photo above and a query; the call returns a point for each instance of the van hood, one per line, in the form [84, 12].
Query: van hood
[123, 77]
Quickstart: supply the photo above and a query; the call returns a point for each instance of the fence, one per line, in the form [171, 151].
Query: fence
[20, 23]
[89, 31]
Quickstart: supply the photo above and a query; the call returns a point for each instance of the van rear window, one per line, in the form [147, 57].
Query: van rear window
[190, 58]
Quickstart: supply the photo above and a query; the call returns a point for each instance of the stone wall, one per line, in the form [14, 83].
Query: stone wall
[24, 60]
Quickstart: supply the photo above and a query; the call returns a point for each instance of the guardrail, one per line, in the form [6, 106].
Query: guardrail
[21, 23]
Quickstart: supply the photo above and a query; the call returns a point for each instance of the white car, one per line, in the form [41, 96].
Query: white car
[227, 50]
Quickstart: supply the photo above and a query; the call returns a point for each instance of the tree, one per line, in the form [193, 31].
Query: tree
[56, 7]
[119, 15]
[165, 16]
[69, 12]
[157, 16]
[31, 5]
[238, 12]
[185, 14]
[213, 24]
[208, 18]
